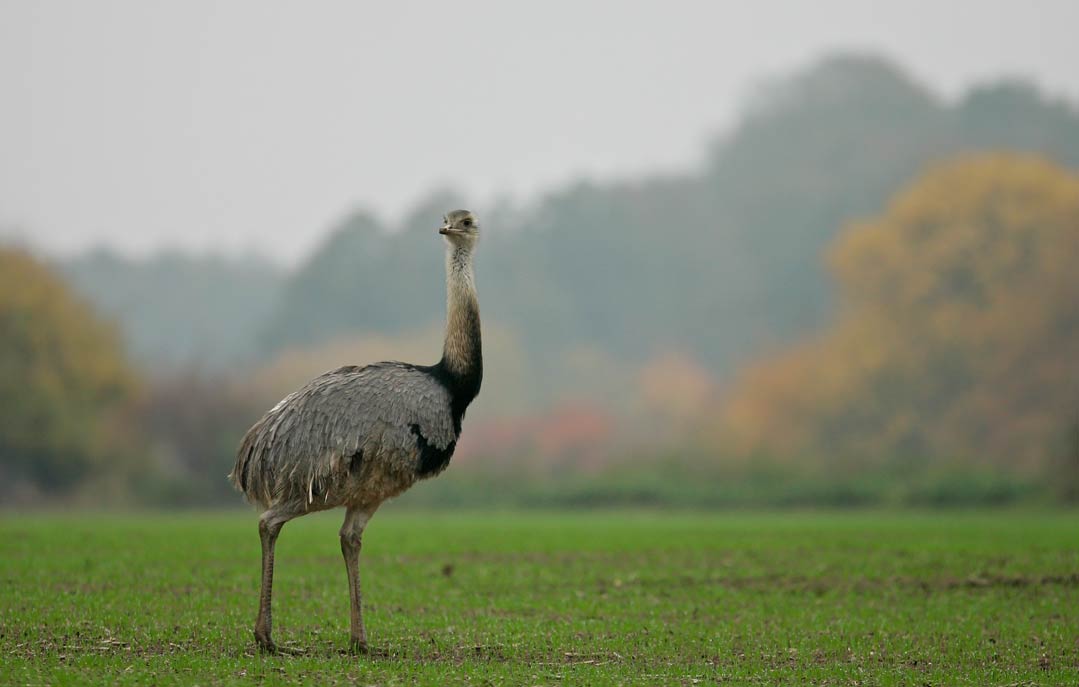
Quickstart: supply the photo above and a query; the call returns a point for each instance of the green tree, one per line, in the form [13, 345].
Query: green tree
[63, 380]
[179, 311]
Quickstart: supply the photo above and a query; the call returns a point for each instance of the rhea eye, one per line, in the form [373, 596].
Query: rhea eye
[467, 222]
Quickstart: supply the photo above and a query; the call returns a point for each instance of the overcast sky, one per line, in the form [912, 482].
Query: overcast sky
[250, 124]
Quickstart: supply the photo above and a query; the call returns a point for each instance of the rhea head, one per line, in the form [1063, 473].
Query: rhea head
[460, 229]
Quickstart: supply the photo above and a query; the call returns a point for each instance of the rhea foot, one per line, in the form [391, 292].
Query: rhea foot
[262, 638]
[267, 646]
[357, 645]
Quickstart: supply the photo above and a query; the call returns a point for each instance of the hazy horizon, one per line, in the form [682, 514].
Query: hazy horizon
[241, 127]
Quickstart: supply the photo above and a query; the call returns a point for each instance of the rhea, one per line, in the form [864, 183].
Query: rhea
[357, 436]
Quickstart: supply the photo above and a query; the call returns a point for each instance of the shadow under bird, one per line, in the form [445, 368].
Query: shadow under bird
[357, 436]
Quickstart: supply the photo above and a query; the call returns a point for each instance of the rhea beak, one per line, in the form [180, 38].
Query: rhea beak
[446, 230]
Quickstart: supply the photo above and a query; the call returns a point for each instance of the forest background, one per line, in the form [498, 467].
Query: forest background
[865, 294]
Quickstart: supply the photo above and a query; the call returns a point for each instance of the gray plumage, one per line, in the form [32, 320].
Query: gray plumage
[357, 436]
[343, 431]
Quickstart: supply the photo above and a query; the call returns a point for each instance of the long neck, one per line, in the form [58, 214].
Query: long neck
[462, 354]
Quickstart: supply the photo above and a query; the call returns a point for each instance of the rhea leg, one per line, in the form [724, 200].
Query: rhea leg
[351, 535]
[270, 524]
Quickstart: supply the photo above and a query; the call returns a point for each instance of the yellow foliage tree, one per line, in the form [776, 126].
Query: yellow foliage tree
[62, 379]
[958, 333]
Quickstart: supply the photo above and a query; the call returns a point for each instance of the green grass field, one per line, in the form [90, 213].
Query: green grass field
[549, 599]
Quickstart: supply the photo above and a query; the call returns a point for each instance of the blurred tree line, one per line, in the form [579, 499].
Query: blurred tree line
[719, 261]
[957, 336]
[179, 310]
[635, 304]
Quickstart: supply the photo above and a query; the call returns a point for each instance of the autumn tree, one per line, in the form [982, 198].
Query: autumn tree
[958, 330]
[63, 380]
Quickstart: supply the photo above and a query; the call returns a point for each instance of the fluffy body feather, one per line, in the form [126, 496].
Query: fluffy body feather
[354, 436]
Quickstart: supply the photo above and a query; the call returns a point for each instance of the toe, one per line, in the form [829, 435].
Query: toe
[358, 646]
[265, 644]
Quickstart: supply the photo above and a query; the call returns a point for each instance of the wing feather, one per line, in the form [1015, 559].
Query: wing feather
[308, 439]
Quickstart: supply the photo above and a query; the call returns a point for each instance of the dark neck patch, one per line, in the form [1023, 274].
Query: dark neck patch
[462, 387]
[462, 378]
